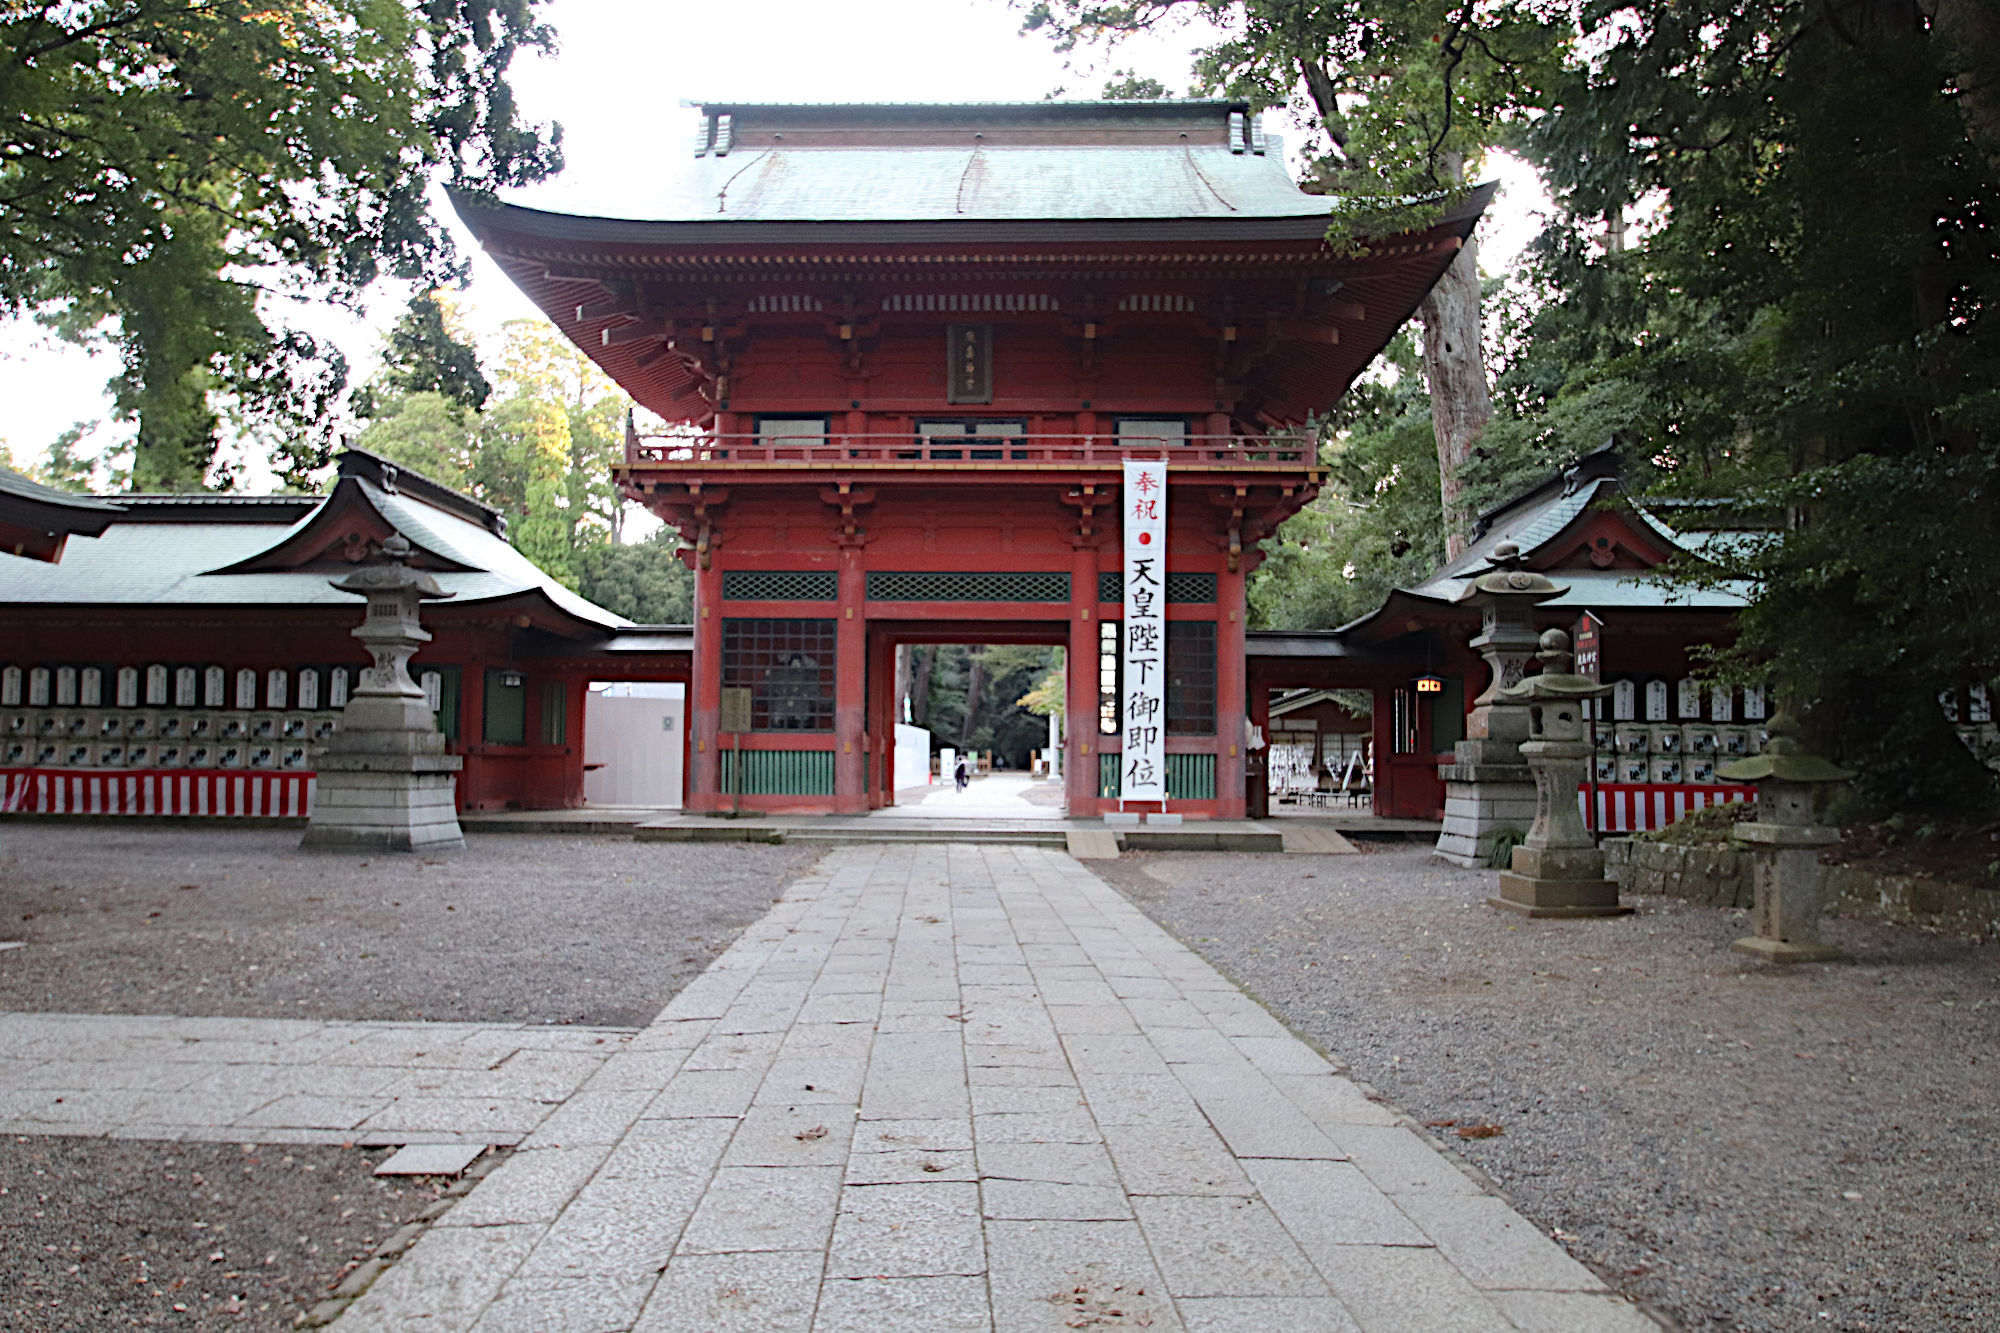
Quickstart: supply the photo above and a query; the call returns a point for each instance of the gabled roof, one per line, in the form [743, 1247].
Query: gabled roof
[193, 558]
[36, 521]
[1579, 509]
[974, 162]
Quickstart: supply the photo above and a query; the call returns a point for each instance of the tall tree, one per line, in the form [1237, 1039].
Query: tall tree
[165, 164]
[1409, 95]
[429, 351]
[1807, 340]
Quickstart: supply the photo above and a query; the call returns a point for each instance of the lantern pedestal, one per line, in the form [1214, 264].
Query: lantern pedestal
[1488, 791]
[1784, 842]
[385, 782]
[1784, 863]
[1557, 870]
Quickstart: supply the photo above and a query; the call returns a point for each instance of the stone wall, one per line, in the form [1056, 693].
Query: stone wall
[1916, 900]
[1720, 877]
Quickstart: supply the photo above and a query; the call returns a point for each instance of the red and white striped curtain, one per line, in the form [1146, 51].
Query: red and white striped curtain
[1636, 807]
[230, 793]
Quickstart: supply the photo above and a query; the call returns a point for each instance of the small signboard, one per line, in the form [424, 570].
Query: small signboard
[969, 363]
[1589, 643]
[735, 708]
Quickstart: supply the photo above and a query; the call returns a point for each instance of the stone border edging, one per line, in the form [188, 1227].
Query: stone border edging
[1720, 877]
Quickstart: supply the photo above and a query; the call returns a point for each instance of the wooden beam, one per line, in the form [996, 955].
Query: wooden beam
[607, 307]
[633, 333]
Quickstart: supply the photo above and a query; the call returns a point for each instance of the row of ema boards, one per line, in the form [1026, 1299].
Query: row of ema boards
[108, 738]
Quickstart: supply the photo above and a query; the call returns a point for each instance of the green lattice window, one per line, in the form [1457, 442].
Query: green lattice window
[1190, 677]
[1190, 777]
[787, 665]
[1188, 589]
[764, 585]
[896, 586]
[777, 772]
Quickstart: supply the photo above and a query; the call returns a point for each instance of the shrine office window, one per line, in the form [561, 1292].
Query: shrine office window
[1153, 432]
[787, 665]
[1190, 677]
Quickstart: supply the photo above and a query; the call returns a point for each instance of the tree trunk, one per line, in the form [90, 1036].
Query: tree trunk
[1455, 367]
[975, 671]
[920, 684]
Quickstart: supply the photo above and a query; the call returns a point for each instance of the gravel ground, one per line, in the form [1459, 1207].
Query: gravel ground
[104, 1234]
[240, 923]
[1747, 1148]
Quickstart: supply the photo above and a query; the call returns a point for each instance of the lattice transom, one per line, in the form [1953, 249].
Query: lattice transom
[763, 585]
[897, 586]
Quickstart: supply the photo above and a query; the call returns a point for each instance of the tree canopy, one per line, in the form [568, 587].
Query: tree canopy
[172, 170]
[541, 451]
[1807, 338]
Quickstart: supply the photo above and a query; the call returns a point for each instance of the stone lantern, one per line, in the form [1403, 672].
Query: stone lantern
[385, 781]
[1558, 870]
[1488, 790]
[1784, 842]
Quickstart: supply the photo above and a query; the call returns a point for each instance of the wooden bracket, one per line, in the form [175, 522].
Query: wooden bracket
[846, 497]
[1087, 499]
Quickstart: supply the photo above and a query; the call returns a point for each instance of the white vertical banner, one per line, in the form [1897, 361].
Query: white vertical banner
[1143, 767]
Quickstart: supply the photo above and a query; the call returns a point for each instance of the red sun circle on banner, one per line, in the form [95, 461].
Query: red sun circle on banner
[1145, 539]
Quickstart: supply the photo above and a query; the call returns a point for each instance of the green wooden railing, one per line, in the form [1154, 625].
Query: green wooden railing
[1190, 777]
[778, 773]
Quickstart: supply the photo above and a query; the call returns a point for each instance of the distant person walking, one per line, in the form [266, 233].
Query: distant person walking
[959, 775]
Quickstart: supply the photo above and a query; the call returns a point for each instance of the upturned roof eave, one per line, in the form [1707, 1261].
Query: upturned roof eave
[491, 219]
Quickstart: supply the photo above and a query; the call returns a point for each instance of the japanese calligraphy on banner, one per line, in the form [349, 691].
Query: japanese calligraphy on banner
[1144, 764]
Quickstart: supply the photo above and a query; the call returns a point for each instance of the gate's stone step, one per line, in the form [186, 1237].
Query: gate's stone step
[877, 834]
[1318, 841]
[1093, 844]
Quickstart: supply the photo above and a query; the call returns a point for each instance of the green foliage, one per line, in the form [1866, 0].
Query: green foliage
[647, 583]
[1408, 92]
[1375, 524]
[164, 163]
[997, 720]
[1128, 85]
[542, 453]
[63, 467]
[1808, 337]
[428, 352]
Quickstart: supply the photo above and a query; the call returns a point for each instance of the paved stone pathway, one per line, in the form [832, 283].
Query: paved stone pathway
[289, 1081]
[971, 1088]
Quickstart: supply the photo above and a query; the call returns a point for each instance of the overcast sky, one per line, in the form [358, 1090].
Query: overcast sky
[616, 87]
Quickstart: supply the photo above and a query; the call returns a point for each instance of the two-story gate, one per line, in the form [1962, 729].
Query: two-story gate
[903, 353]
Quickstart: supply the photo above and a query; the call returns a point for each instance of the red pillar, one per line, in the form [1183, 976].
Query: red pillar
[1384, 798]
[1231, 693]
[850, 694]
[883, 715]
[1080, 706]
[1259, 715]
[704, 770]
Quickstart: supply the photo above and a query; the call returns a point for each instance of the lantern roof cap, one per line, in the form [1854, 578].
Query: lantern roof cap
[1557, 681]
[1784, 759]
[1507, 575]
[389, 572]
